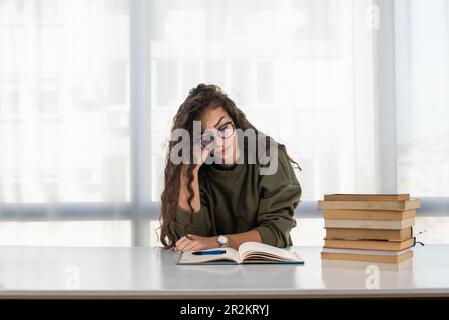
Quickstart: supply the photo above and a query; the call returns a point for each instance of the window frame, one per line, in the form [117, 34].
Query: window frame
[141, 210]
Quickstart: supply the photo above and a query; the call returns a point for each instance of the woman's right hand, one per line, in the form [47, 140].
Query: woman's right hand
[200, 154]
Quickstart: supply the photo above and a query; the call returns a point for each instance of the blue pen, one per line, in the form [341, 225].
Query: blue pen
[209, 252]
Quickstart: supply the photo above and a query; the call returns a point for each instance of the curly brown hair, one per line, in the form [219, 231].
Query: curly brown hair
[200, 98]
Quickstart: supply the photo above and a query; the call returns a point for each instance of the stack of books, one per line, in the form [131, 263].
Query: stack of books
[369, 228]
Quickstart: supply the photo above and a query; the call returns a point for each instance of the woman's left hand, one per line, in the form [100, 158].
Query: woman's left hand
[192, 242]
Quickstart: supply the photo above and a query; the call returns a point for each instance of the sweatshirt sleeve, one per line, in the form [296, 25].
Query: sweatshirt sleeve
[280, 195]
[197, 223]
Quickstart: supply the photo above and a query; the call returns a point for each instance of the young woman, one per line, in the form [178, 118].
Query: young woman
[230, 202]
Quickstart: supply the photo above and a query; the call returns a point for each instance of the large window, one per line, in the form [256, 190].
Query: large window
[357, 90]
[65, 160]
[287, 64]
[423, 97]
[65, 101]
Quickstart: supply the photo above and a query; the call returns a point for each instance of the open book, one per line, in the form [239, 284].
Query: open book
[248, 252]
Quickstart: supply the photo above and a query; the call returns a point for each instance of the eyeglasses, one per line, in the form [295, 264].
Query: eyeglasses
[225, 131]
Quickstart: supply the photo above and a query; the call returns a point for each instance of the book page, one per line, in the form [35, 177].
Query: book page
[368, 252]
[189, 258]
[263, 251]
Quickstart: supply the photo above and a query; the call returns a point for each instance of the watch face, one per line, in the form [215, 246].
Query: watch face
[222, 240]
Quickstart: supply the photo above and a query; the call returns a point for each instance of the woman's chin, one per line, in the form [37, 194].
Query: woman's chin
[223, 159]
[227, 160]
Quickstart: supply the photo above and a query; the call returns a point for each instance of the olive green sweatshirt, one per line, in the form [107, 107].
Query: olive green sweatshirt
[241, 199]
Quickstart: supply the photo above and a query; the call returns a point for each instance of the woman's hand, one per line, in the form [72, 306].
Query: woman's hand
[200, 154]
[192, 243]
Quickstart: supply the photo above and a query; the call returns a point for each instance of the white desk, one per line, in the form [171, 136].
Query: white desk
[152, 273]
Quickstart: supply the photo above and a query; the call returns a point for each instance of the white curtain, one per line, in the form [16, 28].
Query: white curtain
[289, 65]
[423, 96]
[64, 122]
[357, 90]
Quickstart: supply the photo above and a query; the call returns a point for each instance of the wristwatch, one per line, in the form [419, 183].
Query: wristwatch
[222, 241]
